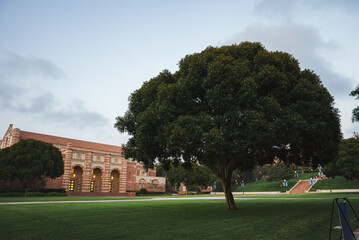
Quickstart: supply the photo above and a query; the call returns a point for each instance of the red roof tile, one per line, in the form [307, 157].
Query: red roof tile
[74, 142]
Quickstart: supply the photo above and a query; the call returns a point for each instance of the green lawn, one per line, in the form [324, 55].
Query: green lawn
[353, 195]
[262, 186]
[175, 219]
[76, 198]
[336, 183]
[64, 198]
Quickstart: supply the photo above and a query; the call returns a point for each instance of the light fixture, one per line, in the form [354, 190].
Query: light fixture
[74, 175]
[94, 176]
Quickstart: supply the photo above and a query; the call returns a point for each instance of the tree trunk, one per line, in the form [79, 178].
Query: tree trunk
[226, 183]
[24, 185]
[330, 187]
[224, 171]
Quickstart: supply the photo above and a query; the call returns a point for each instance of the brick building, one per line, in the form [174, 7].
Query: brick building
[92, 168]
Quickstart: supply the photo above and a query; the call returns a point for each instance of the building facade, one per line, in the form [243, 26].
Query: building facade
[92, 167]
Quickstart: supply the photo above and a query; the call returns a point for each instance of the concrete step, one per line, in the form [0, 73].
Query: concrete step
[301, 187]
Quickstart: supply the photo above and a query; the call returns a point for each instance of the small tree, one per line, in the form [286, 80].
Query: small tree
[347, 162]
[160, 171]
[260, 172]
[245, 176]
[29, 160]
[280, 171]
[194, 176]
[355, 113]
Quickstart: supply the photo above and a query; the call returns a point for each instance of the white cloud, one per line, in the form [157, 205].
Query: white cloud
[26, 89]
[305, 44]
[14, 66]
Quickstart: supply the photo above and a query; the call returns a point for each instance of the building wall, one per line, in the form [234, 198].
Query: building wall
[99, 168]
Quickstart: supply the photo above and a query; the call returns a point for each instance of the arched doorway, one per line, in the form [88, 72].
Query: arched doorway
[114, 181]
[96, 179]
[76, 179]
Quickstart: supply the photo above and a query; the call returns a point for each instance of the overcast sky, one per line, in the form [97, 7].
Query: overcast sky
[68, 67]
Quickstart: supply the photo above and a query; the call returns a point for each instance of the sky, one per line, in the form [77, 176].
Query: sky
[68, 67]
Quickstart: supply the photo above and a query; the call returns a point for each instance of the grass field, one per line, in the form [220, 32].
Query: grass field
[64, 198]
[299, 218]
[336, 183]
[262, 186]
[354, 195]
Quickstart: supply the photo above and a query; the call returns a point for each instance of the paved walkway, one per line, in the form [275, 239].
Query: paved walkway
[120, 200]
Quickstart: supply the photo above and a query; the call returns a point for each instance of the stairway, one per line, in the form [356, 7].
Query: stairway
[301, 187]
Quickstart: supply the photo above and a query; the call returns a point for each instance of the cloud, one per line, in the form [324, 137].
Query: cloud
[13, 65]
[21, 79]
[284, 9]
[276, 8]
[305, 44]
[77, 115]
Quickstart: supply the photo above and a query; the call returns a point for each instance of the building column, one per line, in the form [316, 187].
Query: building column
[106, 174]
[86, 179]
[15, 136]
[67, 167]
[123, 176]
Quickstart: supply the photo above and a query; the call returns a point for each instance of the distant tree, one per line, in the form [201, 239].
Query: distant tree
[355, 113]
[195, 176]
[330, 170]
[260, 172]
[160, 171]
[174, 176]
[245, 176]
[237, 178]
[215, 183]
[232, 107]
[280, 171]
[347, 162]
[29, 160]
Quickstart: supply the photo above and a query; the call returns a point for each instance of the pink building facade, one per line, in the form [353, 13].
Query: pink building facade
[92, 168]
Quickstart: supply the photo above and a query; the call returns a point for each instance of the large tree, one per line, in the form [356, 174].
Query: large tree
[29, 160]
[231, 108]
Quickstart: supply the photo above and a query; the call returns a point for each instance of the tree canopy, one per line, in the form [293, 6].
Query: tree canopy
[232, 107]
[193, 177]
[355, 113]
[29, 160]
[347, 162]
[280, 171]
